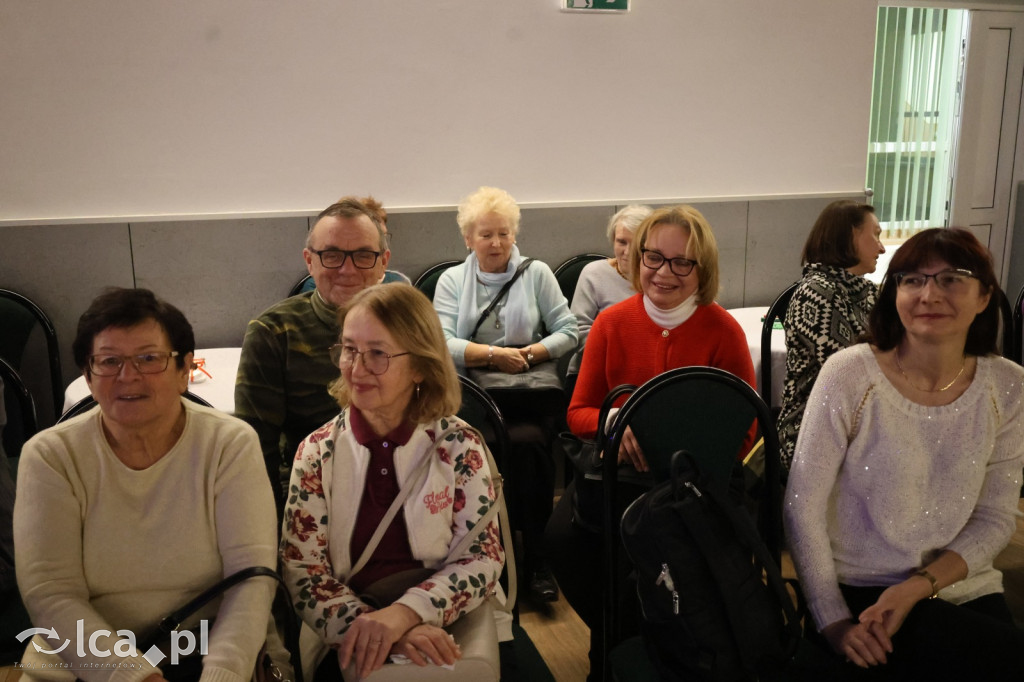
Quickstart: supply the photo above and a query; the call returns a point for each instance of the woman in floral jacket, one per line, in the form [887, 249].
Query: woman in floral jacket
[397, 390]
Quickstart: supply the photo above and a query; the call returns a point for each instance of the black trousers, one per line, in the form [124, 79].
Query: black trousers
[976, 640]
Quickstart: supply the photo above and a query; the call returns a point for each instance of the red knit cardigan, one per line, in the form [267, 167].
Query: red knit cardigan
[626, 347]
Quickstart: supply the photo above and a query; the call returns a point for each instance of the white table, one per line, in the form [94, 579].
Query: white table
[750, 320]
[217, 389]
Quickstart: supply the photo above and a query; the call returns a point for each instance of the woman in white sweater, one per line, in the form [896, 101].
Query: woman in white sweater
[128, 511]
[911, 451]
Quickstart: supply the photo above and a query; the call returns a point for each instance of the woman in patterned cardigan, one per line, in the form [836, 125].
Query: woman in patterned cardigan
[397, 390]
[830, 307]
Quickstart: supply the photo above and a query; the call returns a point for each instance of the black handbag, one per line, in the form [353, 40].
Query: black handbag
[266, 669]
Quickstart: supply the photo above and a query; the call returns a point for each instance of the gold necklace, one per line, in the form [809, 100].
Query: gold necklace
[929, 390]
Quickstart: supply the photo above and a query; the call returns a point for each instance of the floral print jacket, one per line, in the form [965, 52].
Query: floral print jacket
[327, 481]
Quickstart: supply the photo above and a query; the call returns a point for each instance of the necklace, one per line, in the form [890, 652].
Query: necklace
[899, 365]
[498, 306]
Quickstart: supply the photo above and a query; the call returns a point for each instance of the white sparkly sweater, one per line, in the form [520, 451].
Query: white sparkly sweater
[880, 485]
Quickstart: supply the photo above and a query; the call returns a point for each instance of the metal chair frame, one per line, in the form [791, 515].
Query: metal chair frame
[52, 347]
[769, 512]
[776, 311]
[13, 385]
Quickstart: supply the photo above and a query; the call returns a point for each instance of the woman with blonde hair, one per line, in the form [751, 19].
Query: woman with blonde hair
[395, 439]
[505, 315]
[673, 321]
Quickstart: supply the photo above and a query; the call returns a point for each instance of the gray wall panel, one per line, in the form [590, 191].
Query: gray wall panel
[775, 238]
[221, 273]
[62, 268]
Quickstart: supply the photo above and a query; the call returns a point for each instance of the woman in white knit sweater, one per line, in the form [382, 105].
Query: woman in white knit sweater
[911, 451]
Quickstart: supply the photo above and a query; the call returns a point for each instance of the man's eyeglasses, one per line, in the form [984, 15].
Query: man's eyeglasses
[375, 361]
[953, 281]
[335, 258]
[678, 266]
[147, 363]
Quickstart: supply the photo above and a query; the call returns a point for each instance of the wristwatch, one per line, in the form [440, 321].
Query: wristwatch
[529, 356]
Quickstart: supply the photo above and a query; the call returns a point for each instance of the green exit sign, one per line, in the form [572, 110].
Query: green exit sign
[596, 5]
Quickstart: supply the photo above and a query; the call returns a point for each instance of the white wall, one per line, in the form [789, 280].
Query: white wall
[122, 109]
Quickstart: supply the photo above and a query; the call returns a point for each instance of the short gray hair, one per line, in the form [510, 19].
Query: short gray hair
[629, 217]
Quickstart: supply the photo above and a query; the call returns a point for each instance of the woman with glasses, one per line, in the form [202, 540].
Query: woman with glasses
[907, 474]
[505, 315]
[830, 307]
[672, 322]
[126, 512]
[395, 436]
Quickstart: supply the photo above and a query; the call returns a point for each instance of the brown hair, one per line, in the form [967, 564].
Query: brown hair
[123, 308]
[960, 249]
[831, 239]
[411, 319]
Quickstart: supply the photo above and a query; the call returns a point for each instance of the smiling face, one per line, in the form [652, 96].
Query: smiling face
[130, 399]
[665, 288]
[867, 243]
[338, 285]
[933, 313]
[383, 398]
[623, 238]
[491, 238]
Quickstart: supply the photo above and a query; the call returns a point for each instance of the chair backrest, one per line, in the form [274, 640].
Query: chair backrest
[1018, 327]
[708, 412]
[427, 282]
[480, 411]
[19, 410]
[1009, 338]
[19, 316]
[776, 311]
[568, 273]
[303, 285]
[88, 401]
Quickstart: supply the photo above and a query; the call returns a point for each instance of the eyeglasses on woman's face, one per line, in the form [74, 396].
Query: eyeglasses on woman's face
[333, 259]
[375, 361]
[679, 266]
[106, 365]
[951, 281]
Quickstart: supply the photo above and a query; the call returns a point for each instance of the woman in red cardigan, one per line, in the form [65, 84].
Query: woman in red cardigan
[673, 322]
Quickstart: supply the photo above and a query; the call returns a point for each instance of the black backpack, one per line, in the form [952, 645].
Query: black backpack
[701, 566]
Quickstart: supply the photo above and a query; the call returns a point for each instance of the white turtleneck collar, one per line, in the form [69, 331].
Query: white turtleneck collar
[670, 319]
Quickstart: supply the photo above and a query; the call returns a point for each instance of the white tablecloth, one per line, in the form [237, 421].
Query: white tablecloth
[218, 390]
[750, 320]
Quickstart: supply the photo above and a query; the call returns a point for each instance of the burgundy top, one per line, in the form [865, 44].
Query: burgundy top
[393, 554]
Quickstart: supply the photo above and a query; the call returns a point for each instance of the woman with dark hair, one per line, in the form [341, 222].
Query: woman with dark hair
[907, 473]
[829, 308]
[126, 512]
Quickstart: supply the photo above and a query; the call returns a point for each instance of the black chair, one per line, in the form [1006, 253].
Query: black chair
[20, 411]
[1009, 345]
[568, 273]
[1018, 327]
[86, 404]
[427, 282]
[708, 412]
[304, 284]
[481, 412]
[19, 316]
[776, 311]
